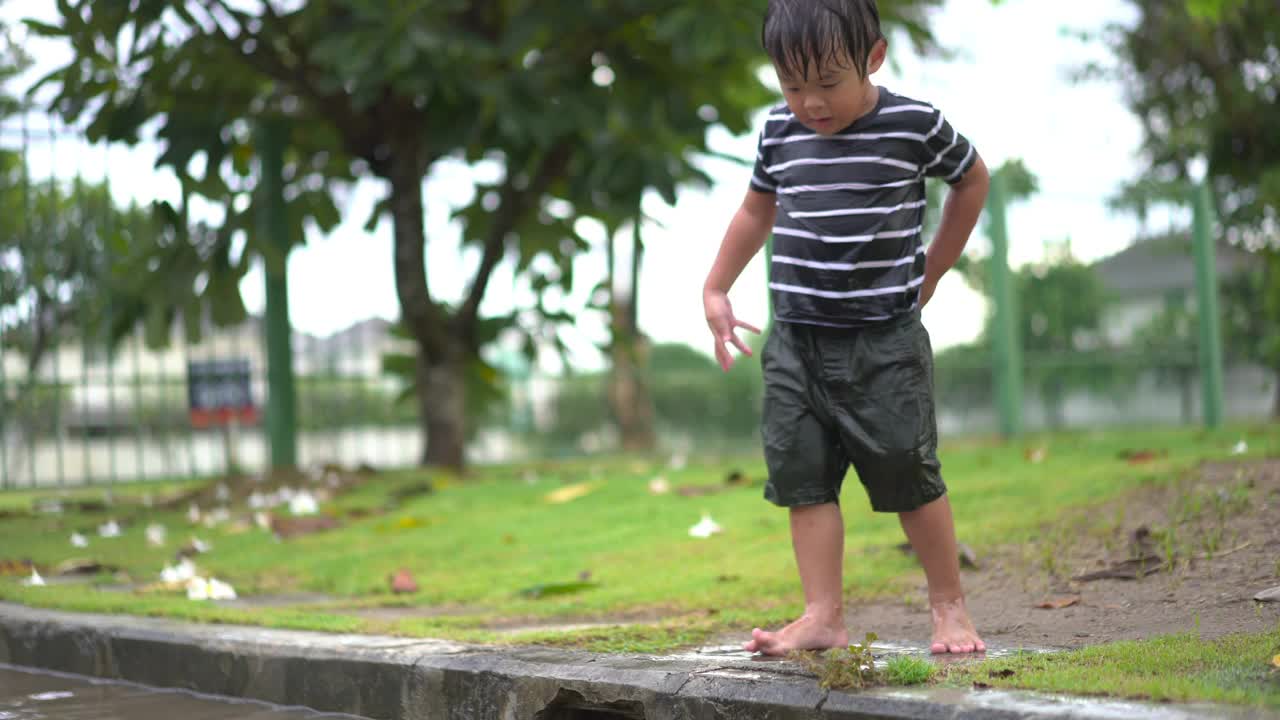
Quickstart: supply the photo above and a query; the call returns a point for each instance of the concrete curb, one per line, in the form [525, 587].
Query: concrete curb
[399, 678]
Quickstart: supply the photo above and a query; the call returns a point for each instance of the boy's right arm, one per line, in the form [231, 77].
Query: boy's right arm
[746, 235]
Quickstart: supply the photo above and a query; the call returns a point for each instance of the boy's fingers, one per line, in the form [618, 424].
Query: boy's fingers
[746, 326]
[737, 342]
[723, 357]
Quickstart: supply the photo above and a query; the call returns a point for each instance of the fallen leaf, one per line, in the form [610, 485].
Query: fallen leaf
[1006, 673]
[981, 686]
[1130, 569]
[552, 589]
[410, 492]
[1275, 661]
[584, 576]
[509, 539]
[968, 558]
[696, 490]
[735, 478]
[1036, 455]
[81, 566]
[728, 578]
[15, 567]
[1058, 604]
[402, 582]
[287, 527]
[569, 493]
[1141, 456]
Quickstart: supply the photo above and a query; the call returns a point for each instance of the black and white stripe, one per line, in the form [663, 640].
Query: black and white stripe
[847, 245]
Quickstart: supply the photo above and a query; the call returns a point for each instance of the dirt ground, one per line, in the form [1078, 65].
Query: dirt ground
[1221, 525]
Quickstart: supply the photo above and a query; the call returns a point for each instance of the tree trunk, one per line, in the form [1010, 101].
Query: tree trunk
[441, 364]
[628, 392]
[1275, 402]
[442, 403]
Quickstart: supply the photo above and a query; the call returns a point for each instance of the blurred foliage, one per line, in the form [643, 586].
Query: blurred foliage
[693, 399]
[1203, 77]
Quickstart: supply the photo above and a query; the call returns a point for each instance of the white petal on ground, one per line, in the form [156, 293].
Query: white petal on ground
[304, 503]
[257, 501]
[193, 514]
[110, 529]
[35, 580]
[705, 528]
[223, 493]
[156, 535]
[184, 571]
[78, 540]
[659, 486]
[1240, 448]
[678, 461]
[200, 545]
[199, 588]
[217, 517]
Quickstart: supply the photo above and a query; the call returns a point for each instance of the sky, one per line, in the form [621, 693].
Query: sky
[1007, 86]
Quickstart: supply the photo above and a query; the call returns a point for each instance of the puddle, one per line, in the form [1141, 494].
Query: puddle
[883, 651]
[30, 694]
[1046, 705]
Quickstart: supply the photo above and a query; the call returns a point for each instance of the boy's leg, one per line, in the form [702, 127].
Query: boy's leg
[933, 536]
[817, 536]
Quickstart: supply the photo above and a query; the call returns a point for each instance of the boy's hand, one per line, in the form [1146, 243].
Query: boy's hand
[928, 287]
[724, 327]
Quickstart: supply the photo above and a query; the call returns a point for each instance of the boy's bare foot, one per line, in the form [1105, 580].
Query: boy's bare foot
[953, 632]
[807, 633]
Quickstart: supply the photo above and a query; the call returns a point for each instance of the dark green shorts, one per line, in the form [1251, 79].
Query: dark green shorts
[835, 397]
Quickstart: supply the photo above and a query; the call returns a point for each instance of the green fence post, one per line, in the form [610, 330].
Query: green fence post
[4, 412]
[1007, 356]
[1207, 304]
[282, 424]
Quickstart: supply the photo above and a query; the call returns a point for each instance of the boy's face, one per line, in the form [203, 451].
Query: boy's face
[833, 94]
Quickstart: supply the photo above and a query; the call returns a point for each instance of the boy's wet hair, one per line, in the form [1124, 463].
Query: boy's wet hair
[799, 34]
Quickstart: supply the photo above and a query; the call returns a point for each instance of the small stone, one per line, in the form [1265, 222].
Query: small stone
[1271, 595]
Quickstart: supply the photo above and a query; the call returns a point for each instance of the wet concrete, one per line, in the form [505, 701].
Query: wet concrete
[394, 678]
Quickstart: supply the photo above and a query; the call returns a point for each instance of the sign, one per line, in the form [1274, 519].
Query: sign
[218, 392]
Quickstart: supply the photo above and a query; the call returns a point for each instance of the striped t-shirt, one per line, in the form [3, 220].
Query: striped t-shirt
[847, 247]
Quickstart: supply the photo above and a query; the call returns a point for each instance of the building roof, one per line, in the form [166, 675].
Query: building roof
[1158, 265]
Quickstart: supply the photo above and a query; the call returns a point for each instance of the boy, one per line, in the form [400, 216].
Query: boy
[848, 368]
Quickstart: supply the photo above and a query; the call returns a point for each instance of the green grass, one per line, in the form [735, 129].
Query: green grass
[909, 670]
[474, 545]
[1236, 669]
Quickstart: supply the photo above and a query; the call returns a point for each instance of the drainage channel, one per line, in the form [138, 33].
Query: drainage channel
[30, 694]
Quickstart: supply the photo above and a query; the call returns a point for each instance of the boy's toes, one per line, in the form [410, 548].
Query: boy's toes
[938, 648]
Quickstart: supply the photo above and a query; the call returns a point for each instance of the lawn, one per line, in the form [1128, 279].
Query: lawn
[493, 550]
[1239, 669]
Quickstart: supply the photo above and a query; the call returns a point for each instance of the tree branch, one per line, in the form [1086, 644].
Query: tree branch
[355, 131]
[514, 205]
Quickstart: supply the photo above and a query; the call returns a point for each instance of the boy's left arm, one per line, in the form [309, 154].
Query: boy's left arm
[959, 216]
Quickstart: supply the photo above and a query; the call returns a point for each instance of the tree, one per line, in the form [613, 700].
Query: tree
[1203, 77]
